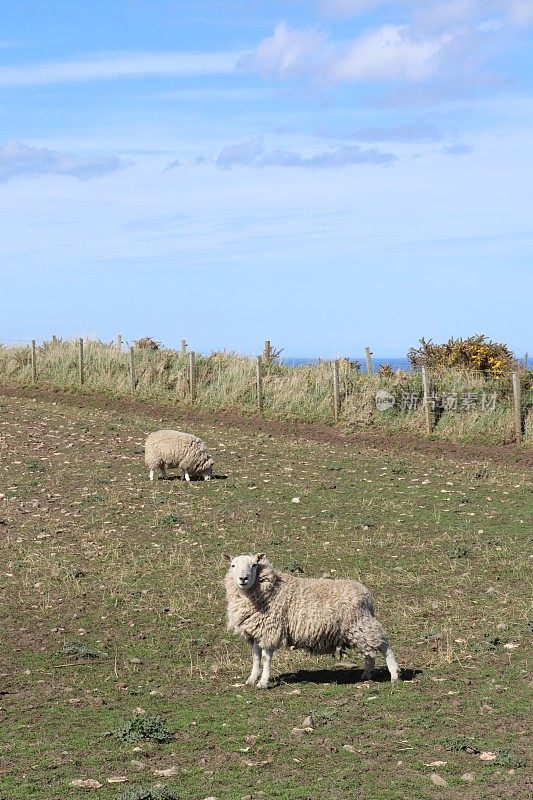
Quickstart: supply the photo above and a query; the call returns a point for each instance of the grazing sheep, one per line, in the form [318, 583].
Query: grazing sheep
[272, 609]
[176, 449]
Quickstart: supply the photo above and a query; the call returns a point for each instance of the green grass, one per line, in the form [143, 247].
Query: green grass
[94, 553]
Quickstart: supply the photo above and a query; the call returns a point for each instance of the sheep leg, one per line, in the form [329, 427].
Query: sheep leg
[151, 474]
[370, 663]
[186, 476]
[163, 472]
[265, 675]
[256, 665]
[392, 664]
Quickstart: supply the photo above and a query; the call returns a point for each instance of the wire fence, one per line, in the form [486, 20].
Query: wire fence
[444, 401]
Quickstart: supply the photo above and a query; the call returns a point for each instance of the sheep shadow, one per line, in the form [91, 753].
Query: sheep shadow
[343, 676]
[193, 478]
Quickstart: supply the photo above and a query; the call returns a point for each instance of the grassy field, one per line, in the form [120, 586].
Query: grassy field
[113, 610]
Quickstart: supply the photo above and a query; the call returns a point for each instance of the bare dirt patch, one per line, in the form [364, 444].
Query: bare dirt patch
[509, 454]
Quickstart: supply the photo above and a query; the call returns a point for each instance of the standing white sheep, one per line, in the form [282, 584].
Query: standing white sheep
[176, 449]
[272, 609]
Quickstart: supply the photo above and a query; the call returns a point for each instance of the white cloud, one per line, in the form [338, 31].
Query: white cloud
[457, 149]
[21, 160]
[240, 154]
[446, 47]
[348, 155]
[253, 154]
[385, 53]
[390, 52]
[119, 65]
[287, 52]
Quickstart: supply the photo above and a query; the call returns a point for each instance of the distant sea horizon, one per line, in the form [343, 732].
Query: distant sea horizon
[377, 361]
[395, 362]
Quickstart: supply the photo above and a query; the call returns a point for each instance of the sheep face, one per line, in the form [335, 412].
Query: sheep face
[244, 570]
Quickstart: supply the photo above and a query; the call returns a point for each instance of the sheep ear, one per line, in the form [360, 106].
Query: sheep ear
[227, 558]
[259, 557]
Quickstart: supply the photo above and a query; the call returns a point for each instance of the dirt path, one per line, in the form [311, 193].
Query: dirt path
[318, 432]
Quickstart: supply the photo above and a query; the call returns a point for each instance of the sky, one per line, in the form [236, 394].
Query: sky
[327, 174]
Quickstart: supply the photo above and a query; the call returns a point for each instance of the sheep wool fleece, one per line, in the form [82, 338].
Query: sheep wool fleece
[177, 449]
[318, 615]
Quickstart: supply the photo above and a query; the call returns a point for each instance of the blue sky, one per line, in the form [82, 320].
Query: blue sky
[328, 174]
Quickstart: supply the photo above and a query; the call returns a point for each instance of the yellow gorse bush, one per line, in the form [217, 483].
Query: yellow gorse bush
[477, 352]
[347, 365]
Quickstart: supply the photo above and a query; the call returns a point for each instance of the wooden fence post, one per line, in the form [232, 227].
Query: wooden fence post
[192, 376]
[133, 377]
[259, 383]
[368, 356]
[336, 391]
[119, 343]
[81, 365]
[517, 407]
[54, 339]
[183, 347]
[33, 362]
[267, 351]
[425, 401]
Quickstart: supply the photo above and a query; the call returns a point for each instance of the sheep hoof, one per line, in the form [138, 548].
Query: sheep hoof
[250, 681]
[262, 685]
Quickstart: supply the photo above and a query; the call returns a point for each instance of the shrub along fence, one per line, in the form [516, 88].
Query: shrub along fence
[446, 403]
